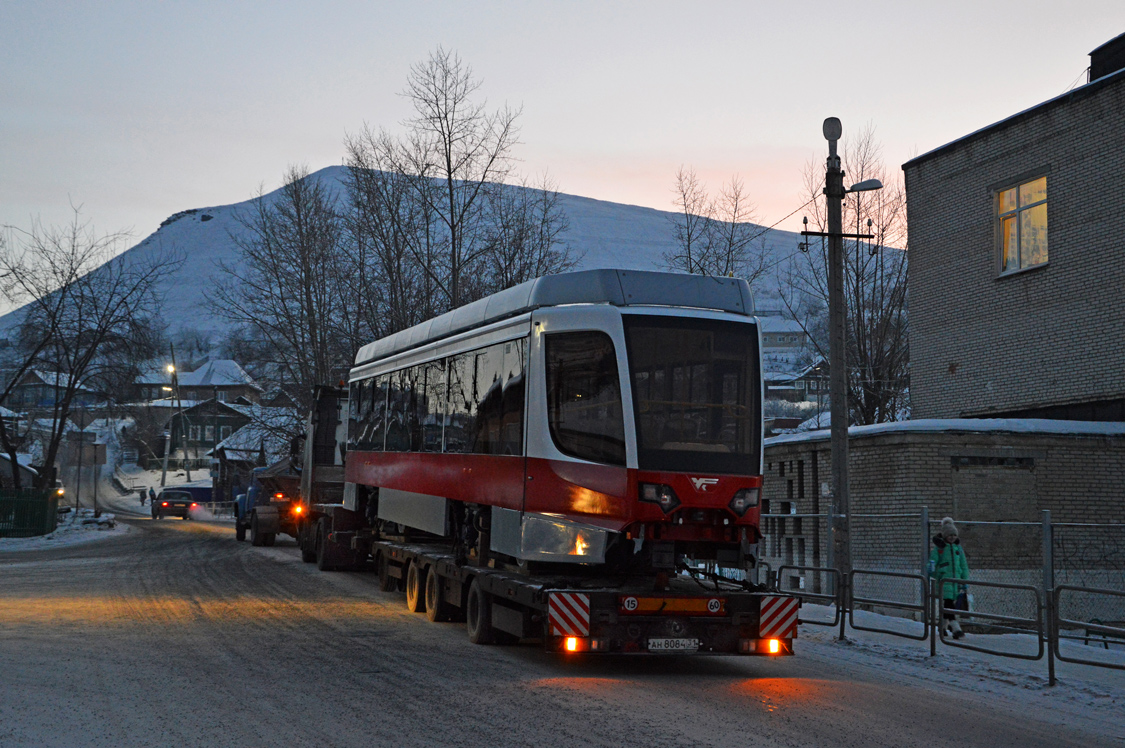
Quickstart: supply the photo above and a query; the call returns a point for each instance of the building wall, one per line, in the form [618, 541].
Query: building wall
[970, 476]
[1054, 335]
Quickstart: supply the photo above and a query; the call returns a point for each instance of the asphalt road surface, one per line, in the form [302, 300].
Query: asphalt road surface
[173, 634]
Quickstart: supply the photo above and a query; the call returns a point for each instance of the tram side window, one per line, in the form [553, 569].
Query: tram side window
[584, 397]
[489, 393]
[398, 411]
[429, 407]
[354, 422]
[511, 416]
[485, 407]
[462, 403]
[372, 414]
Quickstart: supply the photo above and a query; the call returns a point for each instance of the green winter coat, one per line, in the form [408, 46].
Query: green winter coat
[948, 561]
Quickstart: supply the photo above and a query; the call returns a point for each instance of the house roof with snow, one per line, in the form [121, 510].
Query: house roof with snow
[52, 378]
[270, 431]
[780, 324]
[221, 373]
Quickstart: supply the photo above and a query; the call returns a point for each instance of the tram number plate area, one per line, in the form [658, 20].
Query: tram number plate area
[673, 645]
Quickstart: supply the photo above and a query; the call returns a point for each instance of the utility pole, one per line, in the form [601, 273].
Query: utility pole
[180, 406]
[837, 340]
[834, 194]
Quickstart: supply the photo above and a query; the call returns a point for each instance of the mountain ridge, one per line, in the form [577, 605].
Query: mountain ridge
[602, 234]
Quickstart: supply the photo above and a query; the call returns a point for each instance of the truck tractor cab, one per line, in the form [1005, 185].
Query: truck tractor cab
[269, 506]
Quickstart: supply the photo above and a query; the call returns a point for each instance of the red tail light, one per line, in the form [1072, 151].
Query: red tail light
[194, 505]
[164, 504]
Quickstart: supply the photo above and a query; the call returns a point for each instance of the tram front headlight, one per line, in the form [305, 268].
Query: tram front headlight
[658, 493]
[743, 500]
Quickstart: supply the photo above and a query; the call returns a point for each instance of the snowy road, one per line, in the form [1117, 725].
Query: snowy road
[173, 634]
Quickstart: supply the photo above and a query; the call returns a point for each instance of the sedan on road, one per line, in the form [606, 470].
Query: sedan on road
[173, 504]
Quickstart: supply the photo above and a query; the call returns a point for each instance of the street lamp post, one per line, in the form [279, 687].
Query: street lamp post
[834, 193]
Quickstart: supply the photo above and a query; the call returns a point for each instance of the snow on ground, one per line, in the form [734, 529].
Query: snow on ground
[1082, 692]
[73, 529]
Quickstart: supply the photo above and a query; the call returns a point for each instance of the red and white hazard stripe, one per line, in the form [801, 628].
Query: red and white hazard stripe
[569, 614]
[778, 617]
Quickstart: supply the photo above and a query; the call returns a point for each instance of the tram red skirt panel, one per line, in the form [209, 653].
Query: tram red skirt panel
[481, 479]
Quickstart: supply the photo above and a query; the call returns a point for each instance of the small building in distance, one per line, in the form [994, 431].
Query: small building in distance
[224, 380]
[781, 333]
[43, 389]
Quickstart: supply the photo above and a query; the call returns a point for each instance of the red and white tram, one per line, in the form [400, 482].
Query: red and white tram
[606, 417]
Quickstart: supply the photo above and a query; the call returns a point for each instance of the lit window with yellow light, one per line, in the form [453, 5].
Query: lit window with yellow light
[1022, 214]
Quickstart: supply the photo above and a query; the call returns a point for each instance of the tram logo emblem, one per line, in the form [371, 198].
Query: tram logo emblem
[702, 484]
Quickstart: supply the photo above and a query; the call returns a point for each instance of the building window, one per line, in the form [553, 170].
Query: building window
[800, 384]
[209, 434]
[1022, 212]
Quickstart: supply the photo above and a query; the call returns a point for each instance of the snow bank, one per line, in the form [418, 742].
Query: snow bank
[1083, 692]
[972, 425]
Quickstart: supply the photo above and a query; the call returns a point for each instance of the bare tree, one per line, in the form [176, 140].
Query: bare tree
[392, 239]
[432, 221]
[457, 148]
[287, 287]
[693, 213]
[874, 279]
[526, 228]
[716, 236]
[88, 314]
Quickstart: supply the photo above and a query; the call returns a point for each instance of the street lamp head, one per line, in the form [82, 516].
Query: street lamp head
[832, 129]
[171, 368]
[866, 186]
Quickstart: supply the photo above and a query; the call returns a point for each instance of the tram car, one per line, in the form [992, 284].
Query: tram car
[607, 418]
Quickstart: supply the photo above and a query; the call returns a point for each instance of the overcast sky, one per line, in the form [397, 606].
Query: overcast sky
[138, 110]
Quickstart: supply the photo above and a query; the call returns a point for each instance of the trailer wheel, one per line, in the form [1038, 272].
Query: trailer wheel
[478, 615]
[321, 552]
[268, 538]
[308, 545]
[387, 583]
[257, 538]
[415, 596]
[239, 531]
[437, 609]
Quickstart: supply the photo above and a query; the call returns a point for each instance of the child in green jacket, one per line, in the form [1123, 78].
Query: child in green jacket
[947, 561]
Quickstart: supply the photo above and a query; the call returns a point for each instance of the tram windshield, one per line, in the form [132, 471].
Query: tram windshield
[696, 394]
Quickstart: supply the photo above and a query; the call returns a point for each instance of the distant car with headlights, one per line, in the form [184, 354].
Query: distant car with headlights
[172, 503]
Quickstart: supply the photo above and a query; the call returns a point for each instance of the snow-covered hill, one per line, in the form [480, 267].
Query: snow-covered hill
[603, 234]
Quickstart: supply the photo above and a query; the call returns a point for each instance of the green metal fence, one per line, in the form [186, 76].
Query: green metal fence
[27, 513]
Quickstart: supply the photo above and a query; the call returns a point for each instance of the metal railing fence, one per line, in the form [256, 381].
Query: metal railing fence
[1019, 572]
[1000, 621]
[1101, 631]
[918, 607]
[833, 596]
[27, 513]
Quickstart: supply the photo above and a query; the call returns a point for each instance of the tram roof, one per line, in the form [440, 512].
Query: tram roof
[616, 287]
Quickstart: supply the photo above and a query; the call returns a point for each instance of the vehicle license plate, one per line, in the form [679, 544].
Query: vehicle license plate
[673, 645]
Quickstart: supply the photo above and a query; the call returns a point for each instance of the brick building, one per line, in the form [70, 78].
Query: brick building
[976, 470]
[1017, 260]
[1017, 344]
